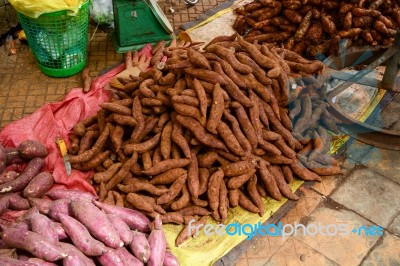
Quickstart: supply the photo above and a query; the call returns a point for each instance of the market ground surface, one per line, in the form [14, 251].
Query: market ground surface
[366, 195]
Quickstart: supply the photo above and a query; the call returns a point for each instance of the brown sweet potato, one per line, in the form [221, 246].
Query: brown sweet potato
[206, 75]
[245, 124]
[89, 154]
[280, 181]
[246, 204]
[167, 177]
[229, 138]
[238, 168]
[136, 185]
[254, 195]
[217, 109]
[201, 95]
[238, 181]
[144, 146]
[223, 202]
[197, 59]
[166, 165]
[226, 54]
[269, 181]
[213, 189]
[185, 234]
[183, 201]
[241, 138]
[172, 217]
[180, 140]
[173, 191]
[138, 202]
[304, 173]
[199, 132]
[203, 180]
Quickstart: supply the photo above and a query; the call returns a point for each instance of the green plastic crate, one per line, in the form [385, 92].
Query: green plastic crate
[58, 41]
[137, 23]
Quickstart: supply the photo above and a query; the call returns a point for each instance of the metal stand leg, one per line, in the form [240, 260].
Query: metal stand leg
[392, 69]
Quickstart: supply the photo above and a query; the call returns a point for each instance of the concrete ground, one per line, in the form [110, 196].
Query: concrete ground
[366, 198]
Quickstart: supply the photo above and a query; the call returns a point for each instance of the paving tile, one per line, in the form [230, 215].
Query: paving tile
[257, 261]
[371, 195]
[344, 247]
[389, 116]
[397, 97]
[306, 204]
[394, 228]
[356, 150]
[294, 252]
[242, 262]
[396, 126]
[385, 253]
[382, 161]
[328, 184]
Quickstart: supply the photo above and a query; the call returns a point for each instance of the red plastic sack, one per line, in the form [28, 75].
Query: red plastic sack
[57, 120]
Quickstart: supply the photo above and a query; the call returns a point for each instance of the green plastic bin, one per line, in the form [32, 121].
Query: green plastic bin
[58, 41]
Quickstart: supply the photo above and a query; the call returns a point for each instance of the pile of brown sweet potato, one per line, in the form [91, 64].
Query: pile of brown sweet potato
[312, 27]
[202, 133]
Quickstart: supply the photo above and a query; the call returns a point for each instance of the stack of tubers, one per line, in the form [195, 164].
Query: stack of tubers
[202, 133]
[73, 228]
[16, 187]
[313, 27]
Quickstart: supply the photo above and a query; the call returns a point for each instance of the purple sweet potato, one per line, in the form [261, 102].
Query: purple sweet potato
[42, 225]
[81, 237]
[128, 258]
[23, 225]
[30, 149]
[134, 219]
[170, 259]
[43, 205]
[3, 159]
[60, 231]
[31, 170]
[40, 262]
[56, 194]
[140, 246]
[7, 261]
[122, 228]
[13, 156]
[111, 258]
[3, 204]
[39, 185]
[73, 260]
[61, 206]
[18, 203]
[7, 176]
[34, 243]
[158, 244]
[96, 221]
[73, 251]
[27, 215]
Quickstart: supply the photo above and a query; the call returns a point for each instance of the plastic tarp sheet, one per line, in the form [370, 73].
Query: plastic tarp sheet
[35, 8]
[56, 120]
